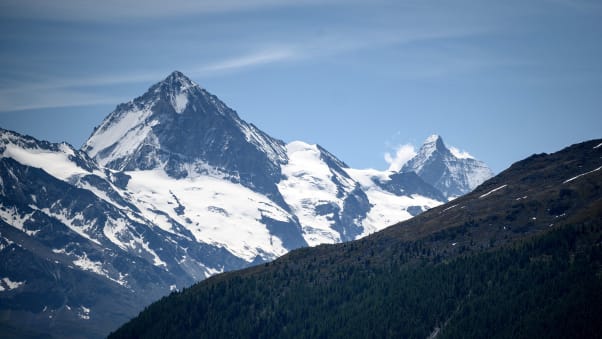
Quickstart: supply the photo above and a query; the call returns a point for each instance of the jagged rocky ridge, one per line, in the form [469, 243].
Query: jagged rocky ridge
[452, 174]
[171, 188]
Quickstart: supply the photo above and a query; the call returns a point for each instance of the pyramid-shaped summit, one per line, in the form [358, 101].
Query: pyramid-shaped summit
[178, 79]
[183, 129]
[177, 88]
[452, 174]
[432, 144]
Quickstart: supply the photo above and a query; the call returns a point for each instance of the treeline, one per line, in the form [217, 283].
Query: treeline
[550, 286]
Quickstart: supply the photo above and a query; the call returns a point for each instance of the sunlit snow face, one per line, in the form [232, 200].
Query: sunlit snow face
[216, 211]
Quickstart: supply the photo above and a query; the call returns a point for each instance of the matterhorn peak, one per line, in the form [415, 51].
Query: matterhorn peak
[450, 170]
[431, 145]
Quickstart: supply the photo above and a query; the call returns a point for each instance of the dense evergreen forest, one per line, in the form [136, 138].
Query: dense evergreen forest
[550, 285]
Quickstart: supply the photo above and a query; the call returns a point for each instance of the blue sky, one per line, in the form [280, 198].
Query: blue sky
[500, 79]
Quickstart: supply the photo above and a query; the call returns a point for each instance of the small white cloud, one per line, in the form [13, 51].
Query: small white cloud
[402, 155]
[460, 154]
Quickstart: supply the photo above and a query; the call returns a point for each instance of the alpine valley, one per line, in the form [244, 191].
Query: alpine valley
[172, 188]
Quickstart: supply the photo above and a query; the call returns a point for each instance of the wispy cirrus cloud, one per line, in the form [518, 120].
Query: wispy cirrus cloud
[51, 98]
[267, 56]
[57, 92]
[54, 92]
[260, 49]
[91, 10]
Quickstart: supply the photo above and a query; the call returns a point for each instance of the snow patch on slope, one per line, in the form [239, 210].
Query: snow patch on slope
[56, 164]
[17, 220]
[85, 263]
[113, 229]
[4, 242]
[140, 244]
[76, 223]
[127, 131]
[83, 313]
[580, 175]
[6, 284]
[492, 191]
[180, 101]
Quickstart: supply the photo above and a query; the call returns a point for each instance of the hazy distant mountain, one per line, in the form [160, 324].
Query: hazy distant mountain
[171, 188]
[452, 173]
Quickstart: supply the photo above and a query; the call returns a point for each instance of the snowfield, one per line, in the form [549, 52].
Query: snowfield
[215, 211]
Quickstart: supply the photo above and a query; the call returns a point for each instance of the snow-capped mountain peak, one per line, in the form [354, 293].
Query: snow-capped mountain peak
[178, 80]
[181, 128]
[450, 170]
[177, 87]
[434, 139]
[431, 145]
